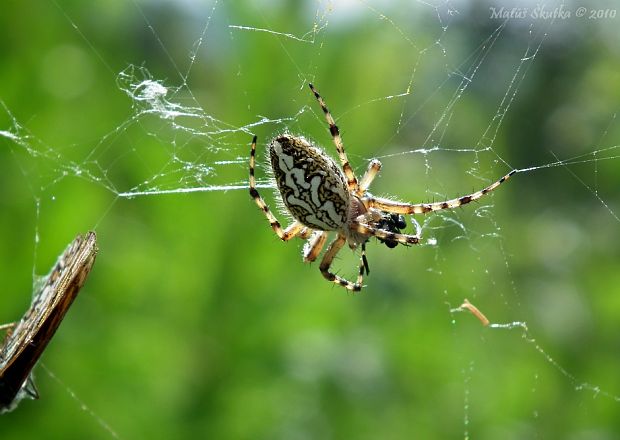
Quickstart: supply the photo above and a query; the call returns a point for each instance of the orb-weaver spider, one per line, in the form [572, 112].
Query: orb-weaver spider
[323, 197]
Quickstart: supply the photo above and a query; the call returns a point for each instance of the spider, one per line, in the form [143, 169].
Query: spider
[323, 197]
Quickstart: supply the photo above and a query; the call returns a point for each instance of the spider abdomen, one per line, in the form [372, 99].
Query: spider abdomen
[312, 186]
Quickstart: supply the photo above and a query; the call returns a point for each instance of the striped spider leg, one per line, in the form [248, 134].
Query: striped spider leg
[388, 205]
[335, 132]
[323, 197]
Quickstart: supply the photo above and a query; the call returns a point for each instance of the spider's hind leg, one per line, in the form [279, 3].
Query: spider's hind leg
[291, 231]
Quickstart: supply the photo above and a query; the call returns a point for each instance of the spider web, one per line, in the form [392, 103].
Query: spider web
[195, 288]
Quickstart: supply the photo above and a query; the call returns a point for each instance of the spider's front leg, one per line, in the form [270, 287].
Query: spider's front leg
[373, 169]
[387, 236]
[392, 206]
[328, 258]
[335, 132]
[291, 231]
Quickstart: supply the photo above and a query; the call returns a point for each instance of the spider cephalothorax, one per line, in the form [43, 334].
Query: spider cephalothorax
[323, 197]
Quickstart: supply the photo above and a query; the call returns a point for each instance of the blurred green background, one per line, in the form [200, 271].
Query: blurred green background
[196, 322]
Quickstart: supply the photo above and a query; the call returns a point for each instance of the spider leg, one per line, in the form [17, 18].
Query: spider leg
[368, 230]
[333, 129]
[364, 261]
[305, 233]
[314, 246]
[8, 327]
[285, 234]
[373, 169]
[423, 208]
[326, 263]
